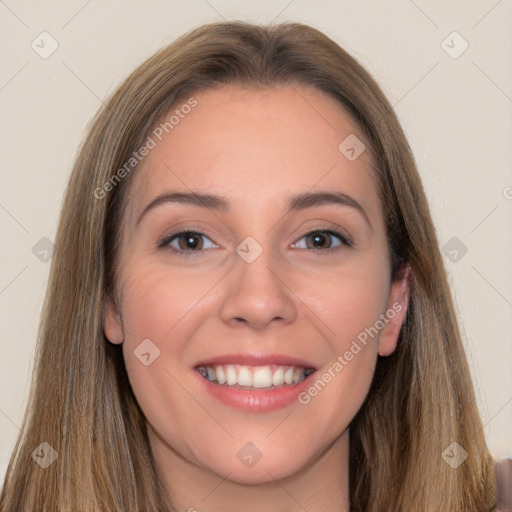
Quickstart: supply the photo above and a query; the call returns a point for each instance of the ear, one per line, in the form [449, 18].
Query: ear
[396, 311]
[112, 323]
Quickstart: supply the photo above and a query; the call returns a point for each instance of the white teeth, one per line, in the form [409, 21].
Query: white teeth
[261, 378]
[255, 376]
[221, 376]
[296, 376]
[244, 377]
[278, 377]
[231, 377]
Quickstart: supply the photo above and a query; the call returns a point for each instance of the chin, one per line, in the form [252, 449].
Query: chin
[266, 469]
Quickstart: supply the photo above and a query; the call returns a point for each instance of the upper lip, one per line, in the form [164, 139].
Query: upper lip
[256, 360]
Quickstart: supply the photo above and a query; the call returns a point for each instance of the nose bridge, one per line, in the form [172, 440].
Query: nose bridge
[257, 293]
[256, 265]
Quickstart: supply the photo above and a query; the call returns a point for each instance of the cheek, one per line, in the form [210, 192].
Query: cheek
[348, 299]
[350, 311]
[163, 306]
[349, 302]
[157, 307]
[157, 301]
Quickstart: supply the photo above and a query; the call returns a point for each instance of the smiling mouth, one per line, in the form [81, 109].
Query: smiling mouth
[254, 377]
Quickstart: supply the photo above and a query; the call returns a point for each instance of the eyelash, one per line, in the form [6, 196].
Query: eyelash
[168, 238]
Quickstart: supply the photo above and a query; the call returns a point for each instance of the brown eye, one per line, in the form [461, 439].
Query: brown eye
[187, 242]
[323, 239]
[319, 240]
[190, 241]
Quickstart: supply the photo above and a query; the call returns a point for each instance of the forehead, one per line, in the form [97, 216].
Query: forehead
[255, 146]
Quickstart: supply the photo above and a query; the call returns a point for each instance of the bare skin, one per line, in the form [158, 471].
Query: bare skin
[302, 296]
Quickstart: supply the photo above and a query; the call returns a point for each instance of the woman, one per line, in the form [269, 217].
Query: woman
[247, 304]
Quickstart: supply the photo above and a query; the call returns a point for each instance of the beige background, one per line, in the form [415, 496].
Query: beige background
[455, 111]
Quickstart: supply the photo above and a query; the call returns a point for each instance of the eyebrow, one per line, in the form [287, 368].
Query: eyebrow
[219, 203]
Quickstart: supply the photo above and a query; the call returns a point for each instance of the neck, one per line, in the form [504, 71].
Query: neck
[322, 485]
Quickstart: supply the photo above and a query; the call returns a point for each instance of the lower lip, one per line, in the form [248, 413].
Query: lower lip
[254, 400]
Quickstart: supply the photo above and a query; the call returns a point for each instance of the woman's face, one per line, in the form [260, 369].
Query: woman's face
[275, 278]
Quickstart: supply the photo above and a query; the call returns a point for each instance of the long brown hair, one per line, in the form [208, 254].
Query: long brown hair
[421, 399]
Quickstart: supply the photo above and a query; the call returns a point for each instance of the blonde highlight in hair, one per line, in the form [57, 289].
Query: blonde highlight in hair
[81, 403]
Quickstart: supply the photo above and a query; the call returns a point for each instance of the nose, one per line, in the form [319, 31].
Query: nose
[257, 294]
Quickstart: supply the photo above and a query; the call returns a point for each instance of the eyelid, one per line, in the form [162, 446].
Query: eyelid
[344, 240]
[330, 228]
[168, 236]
